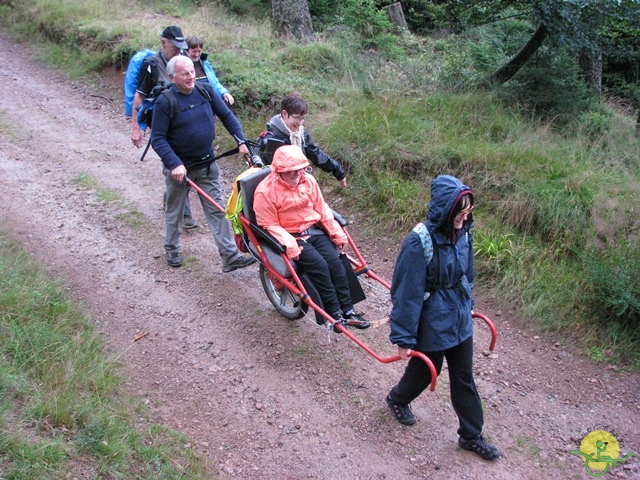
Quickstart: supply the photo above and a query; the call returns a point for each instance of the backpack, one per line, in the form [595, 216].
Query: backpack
[234, 207]
[430, 248]
[268, 146]
[234, 204]
[145, 114]
[131, 78]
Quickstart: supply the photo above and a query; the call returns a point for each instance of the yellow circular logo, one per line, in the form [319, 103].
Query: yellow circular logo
[598, 444]
[600, 451]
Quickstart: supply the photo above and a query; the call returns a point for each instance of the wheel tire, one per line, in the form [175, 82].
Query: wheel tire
[285, 302]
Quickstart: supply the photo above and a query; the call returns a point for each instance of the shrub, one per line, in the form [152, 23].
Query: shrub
[316, 57]
[613, 296]
[595, 124]
[549, 85]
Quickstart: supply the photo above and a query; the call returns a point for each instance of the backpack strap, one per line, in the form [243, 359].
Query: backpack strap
[165, 89]
[425, 239]
[431, 255]
[158, 68]
[157, 92]
[204, 91]
[428, 246]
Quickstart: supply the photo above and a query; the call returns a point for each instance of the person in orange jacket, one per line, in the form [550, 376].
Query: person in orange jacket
[289, 204]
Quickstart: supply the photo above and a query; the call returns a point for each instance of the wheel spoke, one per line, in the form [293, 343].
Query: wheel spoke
[285, 301]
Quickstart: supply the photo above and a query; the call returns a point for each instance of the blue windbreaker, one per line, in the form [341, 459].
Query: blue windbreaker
[211, 76]
[443, 320]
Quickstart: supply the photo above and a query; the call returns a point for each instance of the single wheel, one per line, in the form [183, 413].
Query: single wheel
[285, 302]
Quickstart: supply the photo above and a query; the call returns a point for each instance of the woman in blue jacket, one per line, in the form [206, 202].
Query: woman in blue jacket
[432, 300]
[204, 70]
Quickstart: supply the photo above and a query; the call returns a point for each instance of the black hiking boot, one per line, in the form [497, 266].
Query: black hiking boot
[479, 446]
[402, 411]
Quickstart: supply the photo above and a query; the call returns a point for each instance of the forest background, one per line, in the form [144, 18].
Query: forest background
[533, 104]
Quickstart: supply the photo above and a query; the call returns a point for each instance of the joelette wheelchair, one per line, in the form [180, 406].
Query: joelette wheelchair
[291, 291]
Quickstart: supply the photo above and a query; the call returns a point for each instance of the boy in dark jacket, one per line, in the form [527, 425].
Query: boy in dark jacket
[287, 128]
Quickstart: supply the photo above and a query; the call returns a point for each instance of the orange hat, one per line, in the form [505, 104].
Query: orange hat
[289, 158]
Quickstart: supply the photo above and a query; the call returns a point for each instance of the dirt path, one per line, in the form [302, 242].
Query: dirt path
[260, 396]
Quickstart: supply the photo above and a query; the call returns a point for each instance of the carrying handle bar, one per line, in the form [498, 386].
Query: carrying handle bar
[492, 327]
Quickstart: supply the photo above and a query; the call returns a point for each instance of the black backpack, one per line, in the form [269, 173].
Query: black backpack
[145, 113]
[268, 146]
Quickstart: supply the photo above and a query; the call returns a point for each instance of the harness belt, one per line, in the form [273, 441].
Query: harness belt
[312, 230]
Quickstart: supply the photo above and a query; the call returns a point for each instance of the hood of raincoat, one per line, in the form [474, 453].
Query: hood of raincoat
[277, 123]
[446, 191]
[289, 158]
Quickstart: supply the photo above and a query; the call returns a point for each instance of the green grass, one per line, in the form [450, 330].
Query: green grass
[103, 195]
[61, 398]
[557, 197]
[132, 218]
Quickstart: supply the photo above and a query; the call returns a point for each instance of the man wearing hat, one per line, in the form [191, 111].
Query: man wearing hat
[153, 72]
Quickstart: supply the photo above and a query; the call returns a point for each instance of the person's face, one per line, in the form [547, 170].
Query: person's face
[169, 50]
[293, 121]
[461, 217]
[185, 77]
[293, 178]
[194, 53]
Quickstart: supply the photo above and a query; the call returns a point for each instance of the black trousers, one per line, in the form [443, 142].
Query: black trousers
[319, 259]
[464, 395]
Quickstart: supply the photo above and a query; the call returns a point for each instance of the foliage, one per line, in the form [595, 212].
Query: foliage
[613, 292]
[595, 124]
[371, 25]
[422, 16]
[365, 18]
[324, 13]
[320, 58]
[608, 27]
[492, 247]
[254, 8]
[548, 86]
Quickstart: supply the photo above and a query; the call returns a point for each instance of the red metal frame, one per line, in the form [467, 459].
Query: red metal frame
[360, 267]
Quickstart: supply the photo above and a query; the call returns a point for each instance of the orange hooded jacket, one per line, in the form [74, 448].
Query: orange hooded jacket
[284, 210]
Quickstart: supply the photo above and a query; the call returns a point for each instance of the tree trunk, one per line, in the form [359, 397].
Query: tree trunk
[396, 16]
[509, 69]
[638, 125]
[591, 67]
[291, 19]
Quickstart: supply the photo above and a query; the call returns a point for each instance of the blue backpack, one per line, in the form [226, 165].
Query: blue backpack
[131, 78]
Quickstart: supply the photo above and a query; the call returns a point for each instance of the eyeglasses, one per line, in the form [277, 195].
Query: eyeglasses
[298, 118]
[465, 212]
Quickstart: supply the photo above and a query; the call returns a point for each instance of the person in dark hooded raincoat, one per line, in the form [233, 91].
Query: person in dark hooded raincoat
[432, 301]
